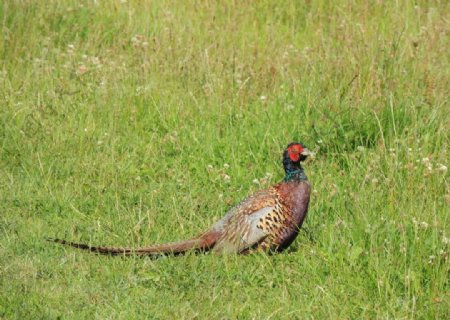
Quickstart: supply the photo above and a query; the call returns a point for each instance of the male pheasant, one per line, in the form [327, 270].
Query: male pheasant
[269, 220]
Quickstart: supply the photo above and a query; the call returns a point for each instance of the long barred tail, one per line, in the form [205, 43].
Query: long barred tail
[202, 243]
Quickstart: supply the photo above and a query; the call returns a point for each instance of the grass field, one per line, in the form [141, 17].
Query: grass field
[139, 122]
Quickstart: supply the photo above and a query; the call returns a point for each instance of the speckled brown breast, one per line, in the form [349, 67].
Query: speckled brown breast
[284, 222]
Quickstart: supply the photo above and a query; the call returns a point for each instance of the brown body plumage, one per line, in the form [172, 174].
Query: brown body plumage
[269, 220]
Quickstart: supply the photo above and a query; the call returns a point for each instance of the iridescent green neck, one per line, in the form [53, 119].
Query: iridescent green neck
[295, 175]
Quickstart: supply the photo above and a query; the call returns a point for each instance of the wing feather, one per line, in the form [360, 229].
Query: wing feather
[240, 228]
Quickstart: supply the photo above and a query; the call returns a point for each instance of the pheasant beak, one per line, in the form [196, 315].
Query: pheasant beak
[307, 153]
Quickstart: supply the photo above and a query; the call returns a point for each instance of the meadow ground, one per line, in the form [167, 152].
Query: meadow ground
[131, 123]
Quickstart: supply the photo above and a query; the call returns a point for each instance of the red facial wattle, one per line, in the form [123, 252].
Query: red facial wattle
[294, 157]
[294, 152]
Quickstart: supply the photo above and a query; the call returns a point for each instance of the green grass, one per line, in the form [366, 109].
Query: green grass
[117, 121]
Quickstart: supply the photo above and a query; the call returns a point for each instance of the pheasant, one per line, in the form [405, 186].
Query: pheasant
[269, 220]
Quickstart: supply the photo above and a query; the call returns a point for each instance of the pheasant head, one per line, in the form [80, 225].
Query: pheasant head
[294, 153]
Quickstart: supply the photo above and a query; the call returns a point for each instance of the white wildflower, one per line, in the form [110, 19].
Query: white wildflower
[289, 107]
[96, 61]
[424, 225]
[445, 240]
[442, 168]
[431, 259]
